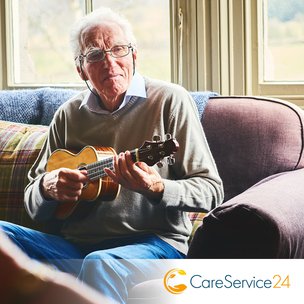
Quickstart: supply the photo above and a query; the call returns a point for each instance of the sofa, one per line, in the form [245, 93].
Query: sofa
[257, 144]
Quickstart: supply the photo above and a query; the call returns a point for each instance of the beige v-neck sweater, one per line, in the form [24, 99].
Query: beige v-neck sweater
[191, 184]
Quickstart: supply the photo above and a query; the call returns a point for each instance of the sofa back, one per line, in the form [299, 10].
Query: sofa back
[252, 138]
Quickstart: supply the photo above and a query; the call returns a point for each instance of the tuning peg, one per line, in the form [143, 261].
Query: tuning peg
[168, 136]
[160, 164]
[156, 138]
[171, 160]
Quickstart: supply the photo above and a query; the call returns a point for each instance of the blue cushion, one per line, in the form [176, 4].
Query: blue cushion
[201, 99]
[13, 108]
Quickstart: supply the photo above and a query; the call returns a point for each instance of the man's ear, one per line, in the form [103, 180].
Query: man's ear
[134, 54]
[81, 73]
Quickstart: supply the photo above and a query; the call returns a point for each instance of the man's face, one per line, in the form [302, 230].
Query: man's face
[110, 77]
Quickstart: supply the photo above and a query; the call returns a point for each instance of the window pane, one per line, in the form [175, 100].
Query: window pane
[283, 40]
[39, 47]
[151, 25]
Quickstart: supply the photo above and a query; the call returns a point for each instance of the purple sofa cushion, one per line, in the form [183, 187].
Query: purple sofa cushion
[265, 221]
[252, 138]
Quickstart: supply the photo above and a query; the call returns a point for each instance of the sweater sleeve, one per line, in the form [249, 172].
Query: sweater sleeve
[36, 205]
[196, 185]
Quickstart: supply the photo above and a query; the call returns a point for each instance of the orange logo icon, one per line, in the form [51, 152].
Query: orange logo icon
[172, 275]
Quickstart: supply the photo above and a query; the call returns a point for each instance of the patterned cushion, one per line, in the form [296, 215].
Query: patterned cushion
[19, 147]
[196, 219]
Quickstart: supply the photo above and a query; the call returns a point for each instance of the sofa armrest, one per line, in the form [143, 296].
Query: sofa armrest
[265, 221]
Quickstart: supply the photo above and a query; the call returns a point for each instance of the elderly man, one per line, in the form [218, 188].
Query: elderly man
[146, 215]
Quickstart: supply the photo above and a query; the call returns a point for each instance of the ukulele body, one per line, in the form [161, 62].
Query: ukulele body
[103, 188]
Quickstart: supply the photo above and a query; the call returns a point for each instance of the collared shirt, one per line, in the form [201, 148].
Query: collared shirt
[137, 88]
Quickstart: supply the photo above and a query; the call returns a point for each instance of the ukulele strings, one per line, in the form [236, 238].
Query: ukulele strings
[96, 170]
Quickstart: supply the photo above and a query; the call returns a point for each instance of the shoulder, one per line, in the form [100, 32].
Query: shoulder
[174, 96]
[70, 109]
[73, 103]
[164, 88]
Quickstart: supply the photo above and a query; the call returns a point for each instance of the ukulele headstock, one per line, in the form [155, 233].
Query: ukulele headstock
[153, 152]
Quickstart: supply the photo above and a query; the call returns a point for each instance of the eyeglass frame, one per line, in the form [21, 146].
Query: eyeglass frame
[81, 57]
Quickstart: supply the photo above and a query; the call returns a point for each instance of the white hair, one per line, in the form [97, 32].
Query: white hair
[98, 17]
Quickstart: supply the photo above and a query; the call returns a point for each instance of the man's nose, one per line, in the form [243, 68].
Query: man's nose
[109, 60]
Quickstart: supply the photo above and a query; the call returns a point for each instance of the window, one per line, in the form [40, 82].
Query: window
[232, 47]
[38, 51]
[274, 35]
[38, 35]
[283, 41]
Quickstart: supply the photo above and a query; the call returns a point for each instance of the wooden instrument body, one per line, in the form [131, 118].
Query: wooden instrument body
[103, 188]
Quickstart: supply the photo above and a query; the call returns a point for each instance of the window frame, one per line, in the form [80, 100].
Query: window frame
[3, 71]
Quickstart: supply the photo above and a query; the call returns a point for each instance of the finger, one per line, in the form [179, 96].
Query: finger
[124, 168]
[131, 166]
[111, 174]
[73, 175]
[143, 166]
[71, 180]
[115, 174]
[117, 164]
[141, 179]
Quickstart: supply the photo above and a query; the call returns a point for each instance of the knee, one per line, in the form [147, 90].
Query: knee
[94, 268]
[97, 257]
[4, 225]
[8, 228]
[102, 271]
[95, 261]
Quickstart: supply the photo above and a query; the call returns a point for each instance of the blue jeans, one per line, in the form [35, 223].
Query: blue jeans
[112, 266]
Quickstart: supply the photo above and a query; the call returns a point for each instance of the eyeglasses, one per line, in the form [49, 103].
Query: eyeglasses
[97, 54]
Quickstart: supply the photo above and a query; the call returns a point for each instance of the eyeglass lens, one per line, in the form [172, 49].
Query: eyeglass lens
[99, 54]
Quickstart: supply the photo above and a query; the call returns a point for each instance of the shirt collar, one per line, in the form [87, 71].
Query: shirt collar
[137, 88]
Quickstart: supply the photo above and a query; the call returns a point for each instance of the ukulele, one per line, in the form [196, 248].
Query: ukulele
[95, 159]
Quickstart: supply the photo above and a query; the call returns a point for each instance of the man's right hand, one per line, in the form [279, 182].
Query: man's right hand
[64, 185]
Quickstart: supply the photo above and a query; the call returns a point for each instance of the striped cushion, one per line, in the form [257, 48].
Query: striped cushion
[19, 147]
[196, 219]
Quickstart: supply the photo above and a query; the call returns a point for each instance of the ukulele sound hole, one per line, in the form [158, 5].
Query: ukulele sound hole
[82, 166]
